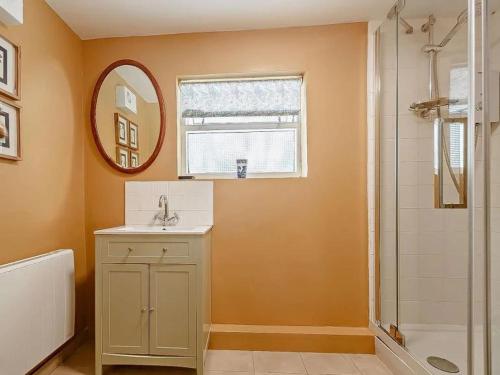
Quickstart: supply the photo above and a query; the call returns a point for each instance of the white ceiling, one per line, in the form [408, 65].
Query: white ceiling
[92, 19]
[139, 81]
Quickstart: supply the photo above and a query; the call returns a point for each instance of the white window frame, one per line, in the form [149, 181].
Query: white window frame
[300, 126]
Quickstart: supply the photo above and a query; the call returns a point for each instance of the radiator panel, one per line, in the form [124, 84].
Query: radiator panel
[37, 309]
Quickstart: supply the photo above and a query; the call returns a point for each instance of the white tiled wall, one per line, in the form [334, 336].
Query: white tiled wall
[191, 200]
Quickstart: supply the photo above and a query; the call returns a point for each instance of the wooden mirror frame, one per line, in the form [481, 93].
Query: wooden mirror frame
[93, 119]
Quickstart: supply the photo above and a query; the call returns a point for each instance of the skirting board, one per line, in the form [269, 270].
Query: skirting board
[292, 338]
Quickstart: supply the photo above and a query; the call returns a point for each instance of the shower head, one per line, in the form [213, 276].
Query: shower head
[462, 19]
[464, 16]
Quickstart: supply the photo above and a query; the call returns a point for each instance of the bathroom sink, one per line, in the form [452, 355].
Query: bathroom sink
[155, 229]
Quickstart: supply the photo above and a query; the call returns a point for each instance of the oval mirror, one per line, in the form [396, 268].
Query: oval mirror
[128, 116]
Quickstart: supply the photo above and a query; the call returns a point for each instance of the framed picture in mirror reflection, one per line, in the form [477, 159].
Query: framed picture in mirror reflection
[121, 130]
[122, 157]
[134, 159]
[133, 135]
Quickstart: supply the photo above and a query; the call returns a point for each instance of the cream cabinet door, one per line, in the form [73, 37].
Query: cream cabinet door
[125, 299]
[173, 310]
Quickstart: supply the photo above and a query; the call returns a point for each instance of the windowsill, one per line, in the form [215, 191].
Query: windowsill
[249, 176]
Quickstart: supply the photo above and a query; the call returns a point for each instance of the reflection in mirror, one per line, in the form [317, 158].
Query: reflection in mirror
[450, 171]
[128, 118]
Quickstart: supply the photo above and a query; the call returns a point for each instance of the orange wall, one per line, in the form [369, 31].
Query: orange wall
[286, 251]
[42, 196]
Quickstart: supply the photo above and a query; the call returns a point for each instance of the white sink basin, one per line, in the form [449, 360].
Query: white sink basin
[155, 229]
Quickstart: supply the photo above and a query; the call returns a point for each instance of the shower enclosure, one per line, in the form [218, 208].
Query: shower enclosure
[436, 184]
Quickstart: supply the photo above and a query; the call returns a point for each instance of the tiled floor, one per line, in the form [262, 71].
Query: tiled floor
[234, 362]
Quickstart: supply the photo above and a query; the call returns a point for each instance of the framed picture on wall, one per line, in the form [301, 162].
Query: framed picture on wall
[9, 68]
[122, 157]
[121, 130]
[133, 136]
[134, 159]
[10, 130]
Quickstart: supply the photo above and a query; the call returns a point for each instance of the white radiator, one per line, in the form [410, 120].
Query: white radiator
[37, 309]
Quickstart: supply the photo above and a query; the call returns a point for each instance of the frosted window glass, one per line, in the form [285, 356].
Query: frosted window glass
[459, 91]
[267, 151]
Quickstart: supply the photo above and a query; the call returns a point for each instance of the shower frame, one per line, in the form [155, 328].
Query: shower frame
[393, 331]
[478, 273]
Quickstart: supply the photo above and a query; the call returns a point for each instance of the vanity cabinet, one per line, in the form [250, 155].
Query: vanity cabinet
[152, 299]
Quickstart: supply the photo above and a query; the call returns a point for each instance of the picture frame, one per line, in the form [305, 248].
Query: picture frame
[133, 135]
[122, 157]
[121, 130]
[10, 70]
[134, 159]
[10, 130]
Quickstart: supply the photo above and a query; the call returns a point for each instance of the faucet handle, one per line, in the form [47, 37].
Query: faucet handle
[162, 200]
[174, 219]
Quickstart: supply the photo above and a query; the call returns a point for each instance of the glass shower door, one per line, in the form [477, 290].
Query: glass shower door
[433, 211]
[491, 139]
[386, 154]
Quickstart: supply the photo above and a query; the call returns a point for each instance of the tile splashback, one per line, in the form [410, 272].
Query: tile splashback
[192, 200]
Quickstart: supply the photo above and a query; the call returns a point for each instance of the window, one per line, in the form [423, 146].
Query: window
[258, 119]
[457, 144]
[459, 91]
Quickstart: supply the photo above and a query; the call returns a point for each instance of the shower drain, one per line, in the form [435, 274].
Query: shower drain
[443, 364]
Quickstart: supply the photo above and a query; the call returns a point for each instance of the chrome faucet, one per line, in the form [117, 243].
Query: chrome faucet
[164, 216]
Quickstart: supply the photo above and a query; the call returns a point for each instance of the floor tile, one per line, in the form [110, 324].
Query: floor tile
[328, 363]
[73, 370]
[229, 360]
[369, 364]
[82, 357]
[234, 362]
[278, 362]
[212, 372]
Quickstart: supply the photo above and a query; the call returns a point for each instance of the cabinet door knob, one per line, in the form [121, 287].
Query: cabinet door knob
[144, 309]
[165, 249]
[130, 249]
[151, 309]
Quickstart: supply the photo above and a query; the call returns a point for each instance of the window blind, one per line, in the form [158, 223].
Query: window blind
[237, 100]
